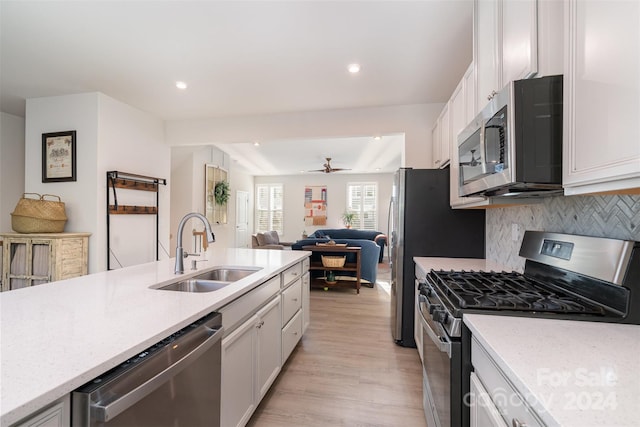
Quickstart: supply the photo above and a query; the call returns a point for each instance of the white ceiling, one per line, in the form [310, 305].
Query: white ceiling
[239, 58]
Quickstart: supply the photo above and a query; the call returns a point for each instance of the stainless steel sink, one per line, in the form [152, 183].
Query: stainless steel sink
[194, 285]
[227, 274]
[211, 280]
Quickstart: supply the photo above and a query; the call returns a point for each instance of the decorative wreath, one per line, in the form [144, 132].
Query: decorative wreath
[221, 192]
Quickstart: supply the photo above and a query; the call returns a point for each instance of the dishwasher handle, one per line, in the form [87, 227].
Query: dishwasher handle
[104, 413]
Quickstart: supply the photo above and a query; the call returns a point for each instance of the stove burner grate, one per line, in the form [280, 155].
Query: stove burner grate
[509, 291]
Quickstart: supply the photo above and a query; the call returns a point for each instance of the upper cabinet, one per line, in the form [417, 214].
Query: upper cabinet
[441, 138]
[461, 112]
[602, 97]
[513, 40]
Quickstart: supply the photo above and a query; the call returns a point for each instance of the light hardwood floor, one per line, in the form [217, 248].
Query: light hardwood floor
[347, 371]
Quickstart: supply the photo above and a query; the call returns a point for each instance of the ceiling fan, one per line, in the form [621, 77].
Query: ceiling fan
[328, 168]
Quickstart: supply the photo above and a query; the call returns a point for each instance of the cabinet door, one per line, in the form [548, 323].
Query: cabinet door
[602, 96]
[435, 144]
[238, 375]
[269, 359]
[56, 415]
[519, 39]
[306, 301]
[483, 412]
[445, 137]
[486, 50]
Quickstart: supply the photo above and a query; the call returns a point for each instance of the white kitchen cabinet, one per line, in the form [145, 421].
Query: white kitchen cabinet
[291, 300]
[484, 412]
[33, 259]
[441, 139]
[486, 50]
[237, 401]
[497, 395]
[306, 301]
[459, 110]
[251, 361]
[601, 97]
[58, 414]
[513, 40]
[269, 359]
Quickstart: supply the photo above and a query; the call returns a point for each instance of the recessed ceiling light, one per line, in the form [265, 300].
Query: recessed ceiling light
[354, 68]
[256, 144]
[181, 85]
[377, 137]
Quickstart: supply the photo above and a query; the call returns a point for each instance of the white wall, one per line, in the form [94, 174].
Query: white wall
[11, 166]
[188, 176]
[415, 121]
[131, 140]
[110, 136]
[336, 183]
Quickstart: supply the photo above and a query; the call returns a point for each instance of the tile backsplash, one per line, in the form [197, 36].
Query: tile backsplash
[602, 216]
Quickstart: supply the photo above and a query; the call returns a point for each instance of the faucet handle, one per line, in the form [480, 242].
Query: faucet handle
[194, 263]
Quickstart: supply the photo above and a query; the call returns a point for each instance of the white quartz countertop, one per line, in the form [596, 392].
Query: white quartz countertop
[57, 336]
[426, 264]
[575, 374]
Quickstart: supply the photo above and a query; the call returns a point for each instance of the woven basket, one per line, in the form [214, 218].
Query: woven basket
[333, 261]
[38, 215]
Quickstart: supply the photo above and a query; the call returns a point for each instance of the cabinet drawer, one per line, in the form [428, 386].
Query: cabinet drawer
[291, 301]
[291, 274]
[245, 306]
[305, 265]
[291, 334]
[508, 401]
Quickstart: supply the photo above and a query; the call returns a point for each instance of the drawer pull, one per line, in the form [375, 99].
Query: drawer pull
[295, 299]
[259, 325]
[517, 423]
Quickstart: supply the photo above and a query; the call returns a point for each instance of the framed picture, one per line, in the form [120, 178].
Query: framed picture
[59, 156]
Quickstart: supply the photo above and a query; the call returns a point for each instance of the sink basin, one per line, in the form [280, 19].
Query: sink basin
[195, 285]
[226, 274]
[211, 280]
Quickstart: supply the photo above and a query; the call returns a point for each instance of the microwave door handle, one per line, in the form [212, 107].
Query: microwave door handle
[441, 341]
[483, 147]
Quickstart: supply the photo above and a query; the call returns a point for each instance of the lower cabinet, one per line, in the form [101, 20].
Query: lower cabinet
[306, 301]
[494, 400]
[57, 414]
[484, 412]
[250, 363]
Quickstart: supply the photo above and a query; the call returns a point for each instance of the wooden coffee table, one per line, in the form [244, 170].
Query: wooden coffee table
[349, 266]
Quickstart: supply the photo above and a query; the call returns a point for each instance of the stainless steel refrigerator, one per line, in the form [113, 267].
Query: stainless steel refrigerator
[422, 223]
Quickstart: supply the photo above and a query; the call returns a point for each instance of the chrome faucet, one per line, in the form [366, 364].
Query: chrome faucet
[180, 253]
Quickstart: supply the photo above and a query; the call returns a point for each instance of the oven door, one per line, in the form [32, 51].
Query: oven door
[442, 372]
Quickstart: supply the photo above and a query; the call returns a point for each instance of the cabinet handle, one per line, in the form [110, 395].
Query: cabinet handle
[491, 95]
[517, 423]
[295, 300]
[259, 325]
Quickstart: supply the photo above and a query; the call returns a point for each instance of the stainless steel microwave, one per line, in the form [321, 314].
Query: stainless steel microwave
[514, 146]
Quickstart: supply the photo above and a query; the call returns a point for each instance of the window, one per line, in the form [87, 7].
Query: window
[269, 203]
[362, 199]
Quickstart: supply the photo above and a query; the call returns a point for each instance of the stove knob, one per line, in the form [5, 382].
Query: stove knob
[440, 316]
[434, 307]
[424, 288]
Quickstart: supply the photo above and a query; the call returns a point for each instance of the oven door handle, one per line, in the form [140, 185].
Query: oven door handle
[441, 341]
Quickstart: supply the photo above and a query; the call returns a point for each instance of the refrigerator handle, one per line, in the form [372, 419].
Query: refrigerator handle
[390, 229]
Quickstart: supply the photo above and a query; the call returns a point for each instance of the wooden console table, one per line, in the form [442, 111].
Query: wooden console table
[350, 266]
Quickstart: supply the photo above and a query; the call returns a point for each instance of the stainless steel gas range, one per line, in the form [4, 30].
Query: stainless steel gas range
[565, 277]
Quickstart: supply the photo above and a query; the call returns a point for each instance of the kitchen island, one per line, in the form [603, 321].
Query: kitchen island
[57, 336]
[569, 373]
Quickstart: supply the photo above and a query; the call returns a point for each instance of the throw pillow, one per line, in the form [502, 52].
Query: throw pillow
[262, 239]
[273, 237]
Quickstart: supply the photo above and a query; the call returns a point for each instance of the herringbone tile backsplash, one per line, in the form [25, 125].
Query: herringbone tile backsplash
[602, 216]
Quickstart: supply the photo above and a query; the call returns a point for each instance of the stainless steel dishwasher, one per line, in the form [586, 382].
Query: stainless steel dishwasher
[174, 383]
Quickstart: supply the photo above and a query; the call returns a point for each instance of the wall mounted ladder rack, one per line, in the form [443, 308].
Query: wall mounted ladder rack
[130, 181]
